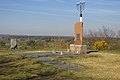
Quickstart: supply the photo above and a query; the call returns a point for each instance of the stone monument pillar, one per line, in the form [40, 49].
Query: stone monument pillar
[78, 33]
[78, 46]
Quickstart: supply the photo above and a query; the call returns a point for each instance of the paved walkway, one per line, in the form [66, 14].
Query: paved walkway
[46, 59]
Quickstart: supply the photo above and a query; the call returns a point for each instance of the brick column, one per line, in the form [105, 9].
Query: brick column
[78, 33]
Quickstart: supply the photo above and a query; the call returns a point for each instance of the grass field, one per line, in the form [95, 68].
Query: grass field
[103, 65]
[15, 67]
[97, 66]
[111, 51]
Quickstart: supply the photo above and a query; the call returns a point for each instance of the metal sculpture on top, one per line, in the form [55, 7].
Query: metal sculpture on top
[80, 7]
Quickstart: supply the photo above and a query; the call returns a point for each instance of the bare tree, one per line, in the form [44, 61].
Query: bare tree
[92, 34]
[85, 34]
[106, 32]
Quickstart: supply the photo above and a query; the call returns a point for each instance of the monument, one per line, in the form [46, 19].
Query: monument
[78, 46]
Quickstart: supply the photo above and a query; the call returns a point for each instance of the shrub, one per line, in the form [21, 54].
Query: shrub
[101, 45]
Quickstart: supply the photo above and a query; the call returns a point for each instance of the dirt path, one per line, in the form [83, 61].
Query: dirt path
[46, 59]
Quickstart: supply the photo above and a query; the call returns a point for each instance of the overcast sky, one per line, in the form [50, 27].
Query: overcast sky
[56, 17]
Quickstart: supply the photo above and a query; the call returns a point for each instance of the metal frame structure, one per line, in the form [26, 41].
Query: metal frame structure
[80, 7]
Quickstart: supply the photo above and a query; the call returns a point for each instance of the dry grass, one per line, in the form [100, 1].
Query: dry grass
[107, 66]
[97, 66]
[94, 66]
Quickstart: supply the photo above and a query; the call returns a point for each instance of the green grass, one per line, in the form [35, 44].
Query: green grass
[16, 67]
[111, 51]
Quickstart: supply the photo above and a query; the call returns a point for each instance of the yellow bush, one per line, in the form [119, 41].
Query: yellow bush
[101, 45]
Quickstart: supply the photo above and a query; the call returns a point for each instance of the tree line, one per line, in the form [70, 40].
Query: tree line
[104, 36]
